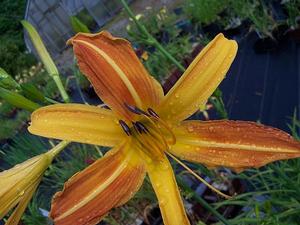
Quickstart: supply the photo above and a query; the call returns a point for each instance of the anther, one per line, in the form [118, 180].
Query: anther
[103, 106]
[135, 110]
[152, 113]
[132, 109]
[125, 127]
[140, 127]
[141, 111]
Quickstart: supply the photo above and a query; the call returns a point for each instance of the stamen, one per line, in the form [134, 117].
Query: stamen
[125, 127]
[157, 134]
[151, 147]
[132, 109]
[165, 125]
[148, 146]
[135, 110]
[141, 111]
[140, 127]
[154, 116]
[104, 106]
[152, 113]
[198, 177]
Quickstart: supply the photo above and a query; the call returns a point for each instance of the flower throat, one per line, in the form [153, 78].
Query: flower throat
[152, 135]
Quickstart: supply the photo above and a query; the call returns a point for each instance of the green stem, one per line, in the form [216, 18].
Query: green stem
[52, 100]
[141, 27]
[58, 148]
[151, 40]
[159, 47]
[61, 88]
[201, 201]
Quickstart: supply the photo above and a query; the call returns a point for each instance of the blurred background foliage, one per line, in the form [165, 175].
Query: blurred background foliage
[12, 47]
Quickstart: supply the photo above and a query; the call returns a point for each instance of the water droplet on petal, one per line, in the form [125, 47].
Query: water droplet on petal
[190, 128]
[162, 202]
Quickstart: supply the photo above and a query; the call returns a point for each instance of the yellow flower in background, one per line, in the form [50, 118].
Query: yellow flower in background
[145, 55]
[19, 183]
[143, 125]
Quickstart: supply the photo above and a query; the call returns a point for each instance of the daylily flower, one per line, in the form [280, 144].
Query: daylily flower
[19, 183]
[143, 124]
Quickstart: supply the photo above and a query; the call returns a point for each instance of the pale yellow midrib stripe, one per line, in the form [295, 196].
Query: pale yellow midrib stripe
[201, 143]
[96, 191]
[118, 70]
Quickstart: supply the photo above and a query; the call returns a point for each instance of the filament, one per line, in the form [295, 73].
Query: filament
[151, 147]
[151, 117]
[198, 177]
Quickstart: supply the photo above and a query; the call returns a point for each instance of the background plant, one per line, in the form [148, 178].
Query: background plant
[205, 12]
[161, 25]
[293, 10]
[12, 47]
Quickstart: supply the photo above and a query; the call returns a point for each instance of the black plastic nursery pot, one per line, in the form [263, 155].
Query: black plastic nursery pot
[263, 85]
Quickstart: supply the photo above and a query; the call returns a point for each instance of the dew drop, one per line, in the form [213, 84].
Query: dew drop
[190, 128]
[164, 166]
[148, 159]
[157, 185]
[162, 202]
[21, 193]
[173, 111]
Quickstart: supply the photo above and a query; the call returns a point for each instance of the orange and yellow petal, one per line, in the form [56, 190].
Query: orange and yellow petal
[77, 122]
[200, 80]
[107, 183]
[115, 72]
[235, 144]
[164, 184]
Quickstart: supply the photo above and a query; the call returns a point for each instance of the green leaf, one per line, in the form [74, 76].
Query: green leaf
[78, 26]
[31, 92]
[6, 81]
[17, 100]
